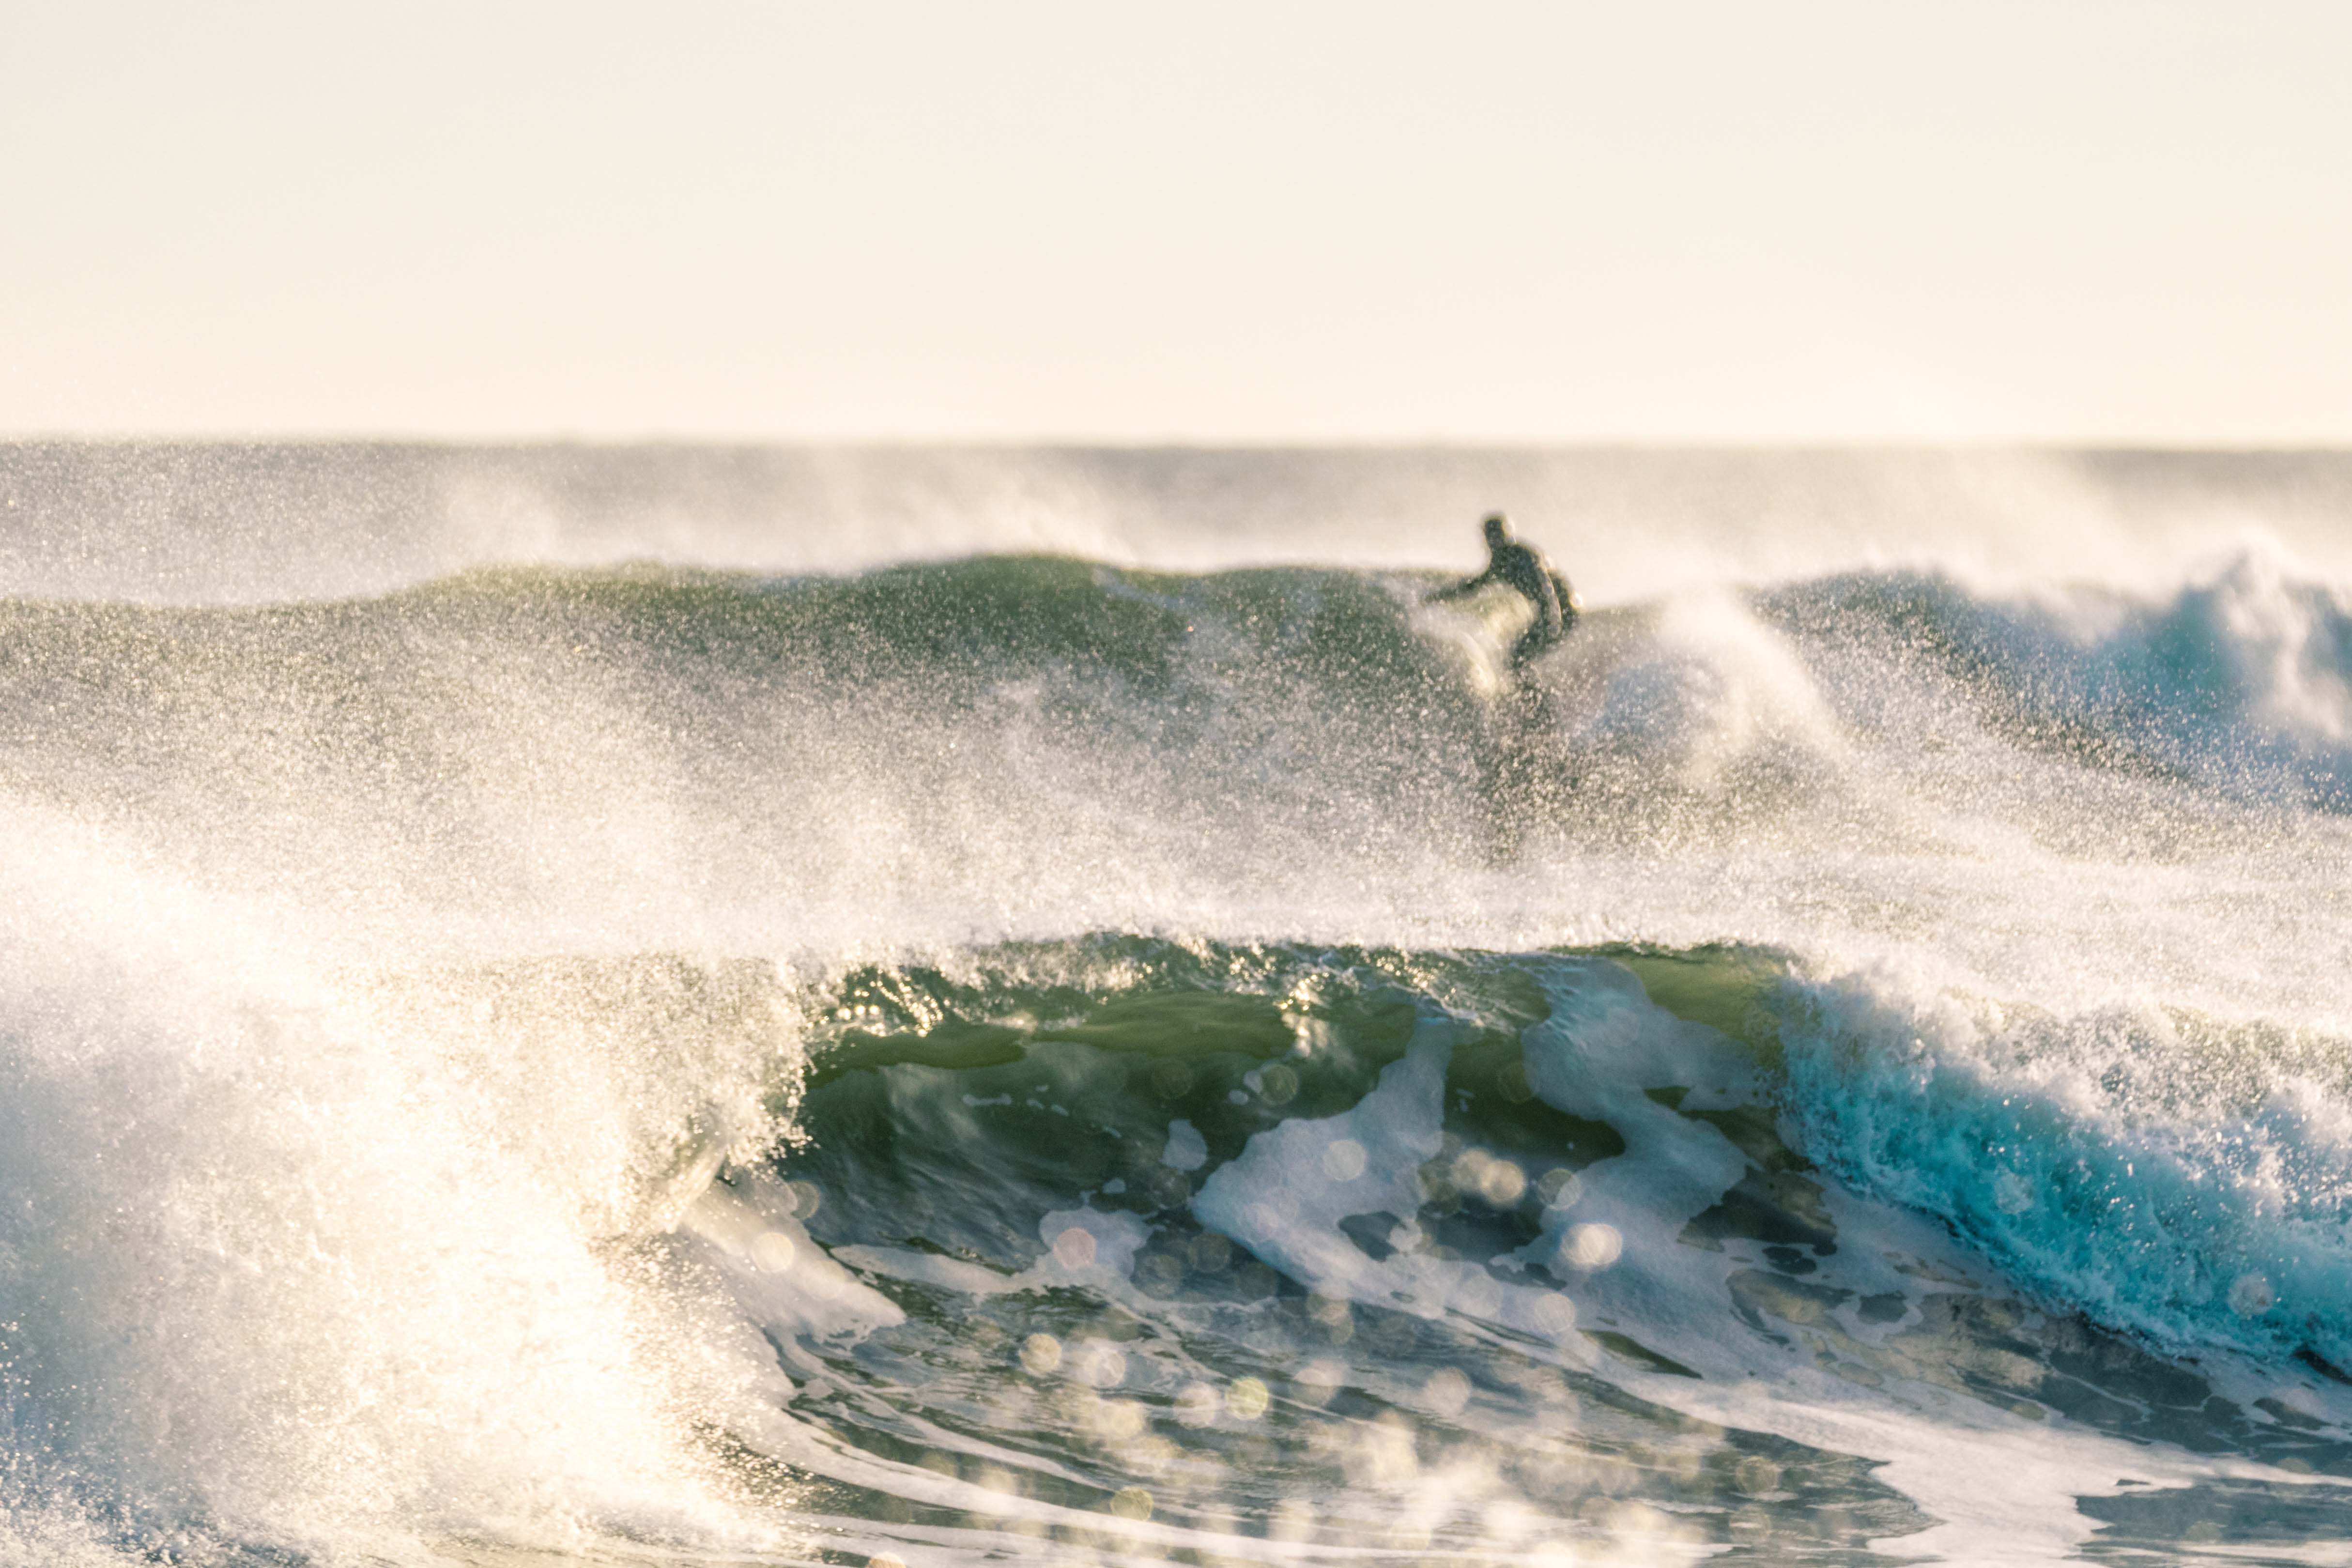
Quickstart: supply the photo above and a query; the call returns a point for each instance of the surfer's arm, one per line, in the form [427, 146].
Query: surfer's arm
[1467, 585]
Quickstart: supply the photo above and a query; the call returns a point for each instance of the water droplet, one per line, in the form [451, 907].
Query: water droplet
[1318, 1381]
[1447, 1391]
[1555, 1312]
[1103, 1366]
[1197, 1405]
[1592, 1246]
[1344, 1161]
[1560, 1188]
[1502, 1184]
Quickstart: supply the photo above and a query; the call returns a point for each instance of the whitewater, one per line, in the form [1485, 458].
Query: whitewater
[682, 1005]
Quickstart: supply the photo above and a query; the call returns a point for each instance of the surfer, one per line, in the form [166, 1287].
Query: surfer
[1523, 569]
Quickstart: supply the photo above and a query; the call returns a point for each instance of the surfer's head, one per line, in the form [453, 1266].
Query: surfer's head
[1498, 530]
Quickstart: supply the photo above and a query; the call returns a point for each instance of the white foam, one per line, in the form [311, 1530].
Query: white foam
[2001, 1487]
[282, 1263]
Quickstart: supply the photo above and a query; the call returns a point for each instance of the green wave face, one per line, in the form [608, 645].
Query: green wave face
[1608, 1130]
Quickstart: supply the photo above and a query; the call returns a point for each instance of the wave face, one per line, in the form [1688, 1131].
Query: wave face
[1028, 1057]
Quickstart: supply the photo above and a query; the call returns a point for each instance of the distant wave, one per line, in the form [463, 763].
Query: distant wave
[2242, 680]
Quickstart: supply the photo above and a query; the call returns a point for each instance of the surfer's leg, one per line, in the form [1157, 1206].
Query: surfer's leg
[1534, 640]
[1521, 650]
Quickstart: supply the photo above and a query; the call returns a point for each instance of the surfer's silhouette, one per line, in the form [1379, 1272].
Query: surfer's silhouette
[1523, 769]
[1523, 569]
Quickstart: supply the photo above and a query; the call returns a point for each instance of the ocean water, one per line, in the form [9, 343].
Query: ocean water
[692, 1007]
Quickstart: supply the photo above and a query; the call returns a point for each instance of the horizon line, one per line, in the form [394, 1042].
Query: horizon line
[1661, 446]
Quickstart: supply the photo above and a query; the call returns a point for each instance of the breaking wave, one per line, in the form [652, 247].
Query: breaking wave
[665, 1064]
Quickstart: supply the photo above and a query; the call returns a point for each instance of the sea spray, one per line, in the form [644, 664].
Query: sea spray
[547, 1010]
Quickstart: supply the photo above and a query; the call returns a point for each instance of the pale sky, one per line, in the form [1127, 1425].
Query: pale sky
[1675, 222]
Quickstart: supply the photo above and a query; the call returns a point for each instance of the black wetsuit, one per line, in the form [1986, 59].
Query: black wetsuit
[1522, 568]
